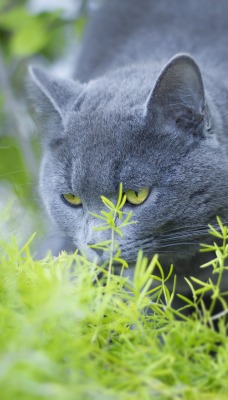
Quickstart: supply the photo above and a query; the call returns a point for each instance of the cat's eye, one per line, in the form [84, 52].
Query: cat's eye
[137, 197]
[71, 199]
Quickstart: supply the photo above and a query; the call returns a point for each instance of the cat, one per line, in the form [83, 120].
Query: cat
[148, 107]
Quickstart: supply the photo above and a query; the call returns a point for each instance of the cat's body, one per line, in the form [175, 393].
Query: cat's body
[149, 32]
[133, 116]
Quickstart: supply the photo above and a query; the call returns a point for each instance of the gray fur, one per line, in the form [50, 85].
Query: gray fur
[148, 108]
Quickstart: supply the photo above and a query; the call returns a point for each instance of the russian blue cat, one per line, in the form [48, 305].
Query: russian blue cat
[149, 108]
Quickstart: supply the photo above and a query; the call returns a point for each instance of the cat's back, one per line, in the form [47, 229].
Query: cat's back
[129, 31]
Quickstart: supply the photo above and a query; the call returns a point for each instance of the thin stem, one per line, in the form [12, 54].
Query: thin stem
[221, 270]
[112, 248]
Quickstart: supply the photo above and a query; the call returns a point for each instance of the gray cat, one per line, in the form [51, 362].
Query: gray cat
[148, 108]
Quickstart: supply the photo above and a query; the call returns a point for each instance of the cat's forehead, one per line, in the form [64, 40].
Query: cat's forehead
[101, 145]
[108, 112]
[104, 118]
[116, 94]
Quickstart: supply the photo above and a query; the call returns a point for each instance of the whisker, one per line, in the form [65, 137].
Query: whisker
[189, 227]
[183, 240]
[182, 236]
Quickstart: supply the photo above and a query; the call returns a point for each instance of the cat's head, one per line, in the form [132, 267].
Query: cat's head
[155, 133]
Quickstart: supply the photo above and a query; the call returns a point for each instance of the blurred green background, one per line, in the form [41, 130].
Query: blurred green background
[46, 33]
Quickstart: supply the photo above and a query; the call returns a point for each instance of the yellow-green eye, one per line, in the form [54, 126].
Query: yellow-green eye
[137, 197]
[71, 199]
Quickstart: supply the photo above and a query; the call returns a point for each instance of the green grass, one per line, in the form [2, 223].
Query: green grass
[65, 334]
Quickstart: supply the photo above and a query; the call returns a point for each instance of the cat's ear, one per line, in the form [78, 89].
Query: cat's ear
[52, 99]
[178, 95]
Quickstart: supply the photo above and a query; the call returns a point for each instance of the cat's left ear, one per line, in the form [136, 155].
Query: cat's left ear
[52, 98]
[54, 92]
[178, 95]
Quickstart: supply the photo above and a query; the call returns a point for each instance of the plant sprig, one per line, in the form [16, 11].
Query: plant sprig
[109, 219]
[211, 287]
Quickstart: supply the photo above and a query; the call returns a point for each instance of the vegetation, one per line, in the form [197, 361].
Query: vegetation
[27, 37]
[66, 334]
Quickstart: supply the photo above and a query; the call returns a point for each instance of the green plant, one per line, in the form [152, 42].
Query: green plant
[213, 287]
[67, 334]
[27, 38]
[143, 275]
[109, 223]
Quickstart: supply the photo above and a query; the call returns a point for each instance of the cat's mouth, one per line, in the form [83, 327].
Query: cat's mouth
[177, 246]
[169, 252]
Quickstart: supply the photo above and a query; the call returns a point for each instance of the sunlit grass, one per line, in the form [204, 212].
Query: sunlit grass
[65, 334]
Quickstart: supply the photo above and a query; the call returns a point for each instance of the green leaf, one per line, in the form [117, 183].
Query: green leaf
[108, 203]
[186, 300]
[12, 166]
[121, 261]
[118, 231]
[14, 19]
[100, 245]
[30, 39]
[101, 228]
[97, 216]
[198, 281]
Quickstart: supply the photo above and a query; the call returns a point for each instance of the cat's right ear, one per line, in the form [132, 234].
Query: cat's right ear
[52, 98]
[178, 96]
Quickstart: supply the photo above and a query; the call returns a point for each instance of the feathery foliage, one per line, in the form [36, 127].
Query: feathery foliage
[66, 334]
